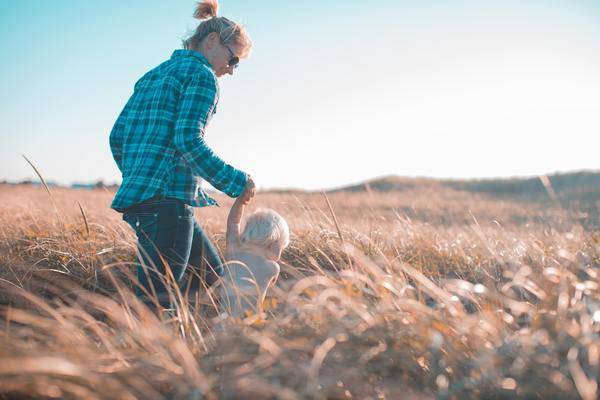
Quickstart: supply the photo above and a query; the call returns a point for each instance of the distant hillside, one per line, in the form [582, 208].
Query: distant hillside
[573, 187]
[570, 187]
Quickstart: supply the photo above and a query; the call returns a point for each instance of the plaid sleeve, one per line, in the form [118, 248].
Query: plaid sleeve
[195, 107]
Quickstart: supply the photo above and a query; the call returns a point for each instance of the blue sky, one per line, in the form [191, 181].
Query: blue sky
[334, 92]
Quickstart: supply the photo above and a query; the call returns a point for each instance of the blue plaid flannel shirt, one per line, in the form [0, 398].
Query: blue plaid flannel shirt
[158, 139]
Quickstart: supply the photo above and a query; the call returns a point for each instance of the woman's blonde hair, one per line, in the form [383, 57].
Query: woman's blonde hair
[229, 32]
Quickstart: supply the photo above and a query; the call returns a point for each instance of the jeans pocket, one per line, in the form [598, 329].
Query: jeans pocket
[182, 240]
[145, 226]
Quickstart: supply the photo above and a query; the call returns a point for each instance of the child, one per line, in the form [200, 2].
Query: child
[252, 257]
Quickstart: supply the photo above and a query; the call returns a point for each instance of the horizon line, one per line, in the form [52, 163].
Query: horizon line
[101, 183]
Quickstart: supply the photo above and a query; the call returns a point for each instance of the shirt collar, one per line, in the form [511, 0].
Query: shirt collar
[190, 53]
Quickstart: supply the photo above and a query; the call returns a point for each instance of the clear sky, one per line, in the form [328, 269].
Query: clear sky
[334, 92]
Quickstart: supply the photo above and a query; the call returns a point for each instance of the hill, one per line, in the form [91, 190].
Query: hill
[582, 188]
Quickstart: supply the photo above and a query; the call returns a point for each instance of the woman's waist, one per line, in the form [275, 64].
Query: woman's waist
[160, 203]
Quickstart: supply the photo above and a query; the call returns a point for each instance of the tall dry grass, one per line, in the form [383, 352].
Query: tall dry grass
[422, 294]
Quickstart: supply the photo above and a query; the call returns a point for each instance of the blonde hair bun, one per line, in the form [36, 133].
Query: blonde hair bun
[229, 32]
[206, 9]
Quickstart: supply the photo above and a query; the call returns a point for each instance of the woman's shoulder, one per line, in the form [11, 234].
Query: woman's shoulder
[192, 71]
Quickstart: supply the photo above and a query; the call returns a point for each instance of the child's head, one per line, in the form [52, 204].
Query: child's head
[266, 229]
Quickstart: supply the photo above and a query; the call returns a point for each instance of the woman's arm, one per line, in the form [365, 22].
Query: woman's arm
[196, 104]
[116, 141]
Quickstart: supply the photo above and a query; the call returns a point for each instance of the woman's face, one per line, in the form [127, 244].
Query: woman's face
[222, 57]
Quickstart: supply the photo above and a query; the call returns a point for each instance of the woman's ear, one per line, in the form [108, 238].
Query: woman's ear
[211, 40]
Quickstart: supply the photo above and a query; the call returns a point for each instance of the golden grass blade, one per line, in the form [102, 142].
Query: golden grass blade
[40, 365]
[335, 221]
[49, 193]
[433, 290]
[321, 352]
[38, 174]
[587, 388]
[548, 186]
[85, 221]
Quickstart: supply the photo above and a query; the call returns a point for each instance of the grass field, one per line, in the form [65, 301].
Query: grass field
[425, 293]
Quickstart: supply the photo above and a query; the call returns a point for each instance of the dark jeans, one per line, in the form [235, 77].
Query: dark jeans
[169, 236]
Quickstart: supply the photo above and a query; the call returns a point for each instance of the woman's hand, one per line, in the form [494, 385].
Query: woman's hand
[249, 191]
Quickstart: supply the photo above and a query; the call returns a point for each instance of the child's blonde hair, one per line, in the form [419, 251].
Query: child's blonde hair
[266, 228]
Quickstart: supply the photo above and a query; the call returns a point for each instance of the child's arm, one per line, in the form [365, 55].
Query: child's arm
[233, 222]
[235, 215]
[276, 276]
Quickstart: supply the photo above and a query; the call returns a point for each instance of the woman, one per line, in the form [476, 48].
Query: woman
[157, 143]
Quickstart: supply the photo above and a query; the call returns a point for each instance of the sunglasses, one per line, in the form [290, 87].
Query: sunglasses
[234, 60]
